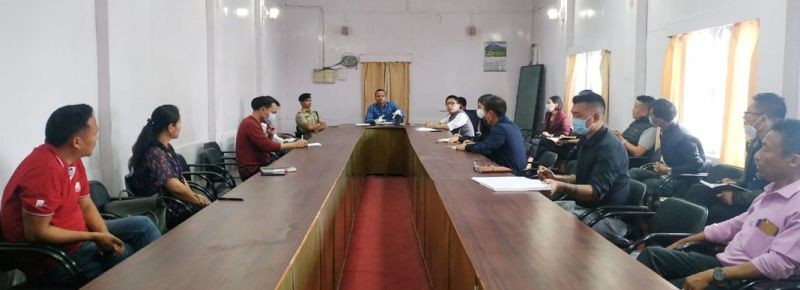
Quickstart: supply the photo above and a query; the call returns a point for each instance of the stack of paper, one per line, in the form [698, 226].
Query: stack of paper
[443, 140]
[314, 144]
[362, 124]
[424, 129]
[512, 183]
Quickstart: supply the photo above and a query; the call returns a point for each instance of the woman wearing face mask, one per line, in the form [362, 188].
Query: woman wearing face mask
[155, 168]
[556, 123]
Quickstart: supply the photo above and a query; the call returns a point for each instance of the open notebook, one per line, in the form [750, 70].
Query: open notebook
[512, 183]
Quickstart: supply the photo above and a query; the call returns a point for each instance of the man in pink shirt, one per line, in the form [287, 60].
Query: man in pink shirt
[763, 242]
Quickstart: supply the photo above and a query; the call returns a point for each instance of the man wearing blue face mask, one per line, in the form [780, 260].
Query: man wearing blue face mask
[601, 176]
[682, 153]
[504, 144]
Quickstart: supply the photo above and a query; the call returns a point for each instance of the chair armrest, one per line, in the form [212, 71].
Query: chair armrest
[229, 158]
[657, 236]
[228, 152]
[614, 208]
[202, 190]
[701, 247]
[620, 214]
[51, 252]
[108, 216]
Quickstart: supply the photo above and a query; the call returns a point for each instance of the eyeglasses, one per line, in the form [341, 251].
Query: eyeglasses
[752, 113]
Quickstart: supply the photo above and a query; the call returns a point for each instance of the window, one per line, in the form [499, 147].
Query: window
[587, 71]
[709, 74]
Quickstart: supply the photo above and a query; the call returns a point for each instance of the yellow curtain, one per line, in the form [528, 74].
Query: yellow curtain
[739, 87]
[373, 74]
[672, 80]
[604, 75]
[398, 86]
[568, 86]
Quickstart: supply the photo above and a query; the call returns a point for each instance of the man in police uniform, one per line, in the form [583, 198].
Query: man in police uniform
[308, 121]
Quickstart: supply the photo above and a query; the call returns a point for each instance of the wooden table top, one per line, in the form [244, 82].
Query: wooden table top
[514, 240]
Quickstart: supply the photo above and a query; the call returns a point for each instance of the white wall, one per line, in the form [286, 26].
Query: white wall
[47, 60]
[445, 59]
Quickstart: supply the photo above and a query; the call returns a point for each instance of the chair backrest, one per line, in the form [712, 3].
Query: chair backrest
[717, 172]
[212, 144]
[183, 163]
[676, 215]
[637, 191]
[473, 118]
[98, 193]
[128, 185]
[213, 155]
[548, 159]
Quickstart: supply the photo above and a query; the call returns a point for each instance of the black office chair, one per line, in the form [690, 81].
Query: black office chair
[473, 118]
[215, 183]
[675, 219]
[153, 207]
[635, 203]
[227, 155]
[636, 162]
[214, 161]
[177, 210]
[12, 257]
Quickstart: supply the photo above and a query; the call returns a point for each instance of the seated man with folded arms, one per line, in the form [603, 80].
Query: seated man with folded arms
[640, 136]
[382, 109]
[766, 109]
[761, 242]
[252, 144]
[456, 122]
[46, 201]
[601, 178]
[308, 121]
[504, 144]
[682, 153]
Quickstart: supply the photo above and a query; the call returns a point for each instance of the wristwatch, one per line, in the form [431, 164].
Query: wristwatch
[719, 276]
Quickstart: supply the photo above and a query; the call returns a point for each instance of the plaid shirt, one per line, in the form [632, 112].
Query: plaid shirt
[374, 111]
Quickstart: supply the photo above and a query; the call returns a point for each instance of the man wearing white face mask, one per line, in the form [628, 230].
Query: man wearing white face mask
[601, 175]
[252, 145]
[766, 110]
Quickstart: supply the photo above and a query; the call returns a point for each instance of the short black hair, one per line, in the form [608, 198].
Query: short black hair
[771, 105]
[495, 104]
[451, 97]
[482, 99]
[66, 122]
[463, 102]
[664, 110]
[646, 100]
[789, 130]
[592, 99]
[263, 101]
[303, 97]
[379, 90]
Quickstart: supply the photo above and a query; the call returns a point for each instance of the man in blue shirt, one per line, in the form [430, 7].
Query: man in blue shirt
[381, 109]
[504, 144]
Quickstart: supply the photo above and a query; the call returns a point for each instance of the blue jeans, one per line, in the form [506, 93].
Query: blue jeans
[136, 232]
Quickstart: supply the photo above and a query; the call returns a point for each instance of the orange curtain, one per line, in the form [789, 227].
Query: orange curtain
[740, 87]
[373, 75]
[398, 86]
[568, 85]
[604, 75]
[672, 80]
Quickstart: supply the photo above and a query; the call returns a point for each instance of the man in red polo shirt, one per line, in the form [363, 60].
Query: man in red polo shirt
[252, 144]
[47, 201]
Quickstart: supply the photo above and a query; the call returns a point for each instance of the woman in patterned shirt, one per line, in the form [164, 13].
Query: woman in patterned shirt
[155, 168]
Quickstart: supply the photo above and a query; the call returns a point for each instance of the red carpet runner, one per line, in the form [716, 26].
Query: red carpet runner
[384, 253]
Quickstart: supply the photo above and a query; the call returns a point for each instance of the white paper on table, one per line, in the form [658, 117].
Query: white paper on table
[454, 147]
[512, 183]
[314, 144]
[443, 140]
[424, 129]
[362, 124]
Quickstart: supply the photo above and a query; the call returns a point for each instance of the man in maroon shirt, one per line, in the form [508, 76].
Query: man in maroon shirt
[46, 202]
[253, 145]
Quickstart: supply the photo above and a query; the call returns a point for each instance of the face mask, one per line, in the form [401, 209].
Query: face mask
[479, 112]
[549, 108]
[272, 117]
[579, 126]
[749, 131]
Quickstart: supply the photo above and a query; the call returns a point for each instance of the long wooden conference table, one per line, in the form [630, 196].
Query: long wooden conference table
[291, 232]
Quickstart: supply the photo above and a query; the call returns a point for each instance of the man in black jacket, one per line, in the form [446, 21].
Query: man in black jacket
[682, 153]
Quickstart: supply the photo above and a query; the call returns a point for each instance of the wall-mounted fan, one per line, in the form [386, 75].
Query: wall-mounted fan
[348, 61]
